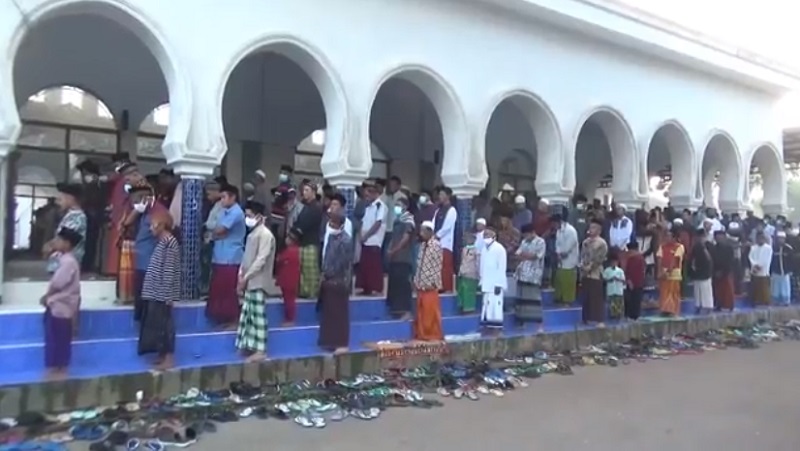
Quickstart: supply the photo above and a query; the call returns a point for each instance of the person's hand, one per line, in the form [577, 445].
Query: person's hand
[43, 301]
[630, 284]
[240, 285]
[497, 291]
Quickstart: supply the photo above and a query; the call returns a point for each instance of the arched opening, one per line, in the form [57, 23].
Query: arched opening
[88, 51]
[669, 166]
[309, 154]
[522, 145]
[277, 95]
[767, 181]
[414, 120]
[150, 140]
[720, 172]
[605, 157]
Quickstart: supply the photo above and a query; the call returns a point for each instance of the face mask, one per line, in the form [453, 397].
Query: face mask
[423, 200]
[489, 241]
[250, 222]
[76, 177]
[398, 210]
[127, 187]
[283, 178]
[141, 207]
[88, 178]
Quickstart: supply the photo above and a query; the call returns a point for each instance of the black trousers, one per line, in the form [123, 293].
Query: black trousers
[633, 302]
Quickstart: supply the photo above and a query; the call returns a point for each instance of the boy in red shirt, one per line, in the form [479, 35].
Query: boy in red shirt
[635, 267]
[288, 276]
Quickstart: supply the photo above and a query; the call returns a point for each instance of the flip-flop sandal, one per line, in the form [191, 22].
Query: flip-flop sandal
[443, 392]
[338, 415]
[497, 392]
[318, 421]
[153, 445]
[374, 412]
[472, 395]
[458, 393]
[482, 389]
[133, 444]
[302, 420]
[247, 412]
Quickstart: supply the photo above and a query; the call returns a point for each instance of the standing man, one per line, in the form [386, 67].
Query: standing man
[255, 275]
[522, 214]
[594, 251]
[373, 230]
[144, 209]
[309, 223]
[701, 269]
[428, 282]
[620, 230]
[226, 257]
[444, 219]
[334, 324]
[781, 270]
[723, 260]
[565, 281]
[760, 266]
[493, 281]
[399, 294]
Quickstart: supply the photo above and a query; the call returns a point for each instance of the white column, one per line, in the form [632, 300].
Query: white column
[3, 212]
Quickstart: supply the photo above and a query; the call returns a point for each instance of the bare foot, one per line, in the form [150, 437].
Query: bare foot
[256, 357]
[405, 317]
[601, 325]
[287, 324]
[540, 330]
[168, 362]
[342, 350]
[56, 374]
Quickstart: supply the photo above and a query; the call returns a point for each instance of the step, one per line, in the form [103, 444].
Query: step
[117, 322]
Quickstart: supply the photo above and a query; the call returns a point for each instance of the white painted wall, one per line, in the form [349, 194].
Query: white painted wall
[462, 56]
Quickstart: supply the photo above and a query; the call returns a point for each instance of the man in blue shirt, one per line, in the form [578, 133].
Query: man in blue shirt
[229, 234]
[144, 206]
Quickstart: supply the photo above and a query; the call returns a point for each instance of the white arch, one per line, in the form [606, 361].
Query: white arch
[459, 166]
[133, 19]
[720, 154]
[45, 111]
[769, 161]
[681, 157]
[325, 78]
[624, 162]
[546, 135]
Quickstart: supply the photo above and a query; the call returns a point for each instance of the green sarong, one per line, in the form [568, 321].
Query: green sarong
[565, 285]
[467, 290]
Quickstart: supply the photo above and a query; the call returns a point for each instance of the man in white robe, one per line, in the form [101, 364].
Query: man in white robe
[493, 280]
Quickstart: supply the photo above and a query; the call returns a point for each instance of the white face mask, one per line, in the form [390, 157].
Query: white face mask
[423, 200]
[140, 207]
[398, 210]
[250, 222]
[283, 178]
[488, 241]
[76, 176]
[127, 187]
[88, 178]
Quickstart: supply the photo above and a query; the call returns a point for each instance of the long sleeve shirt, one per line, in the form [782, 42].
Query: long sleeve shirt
[620, 232]
[782, 260]
[493, 268]
[162, 281]
[258, 259]
[760, 259]
[338, 261]
[429, 266]
[64, 289]
[567, 243]
[446, 233]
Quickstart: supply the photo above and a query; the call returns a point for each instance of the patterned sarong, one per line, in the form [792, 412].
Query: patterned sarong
[126, 275]
[252, 332]
[309, 272]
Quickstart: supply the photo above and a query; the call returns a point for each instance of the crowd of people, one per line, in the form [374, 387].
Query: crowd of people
[299, 238]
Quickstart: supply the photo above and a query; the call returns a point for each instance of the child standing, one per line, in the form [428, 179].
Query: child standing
[635, 269]
[288, 276]
[614, 277]
[61, 302]
[468, 275]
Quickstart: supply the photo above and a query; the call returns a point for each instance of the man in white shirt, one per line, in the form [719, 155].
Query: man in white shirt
[480, 227]
[444, 219]
[373, 230]
[336, 206]
[493, 281]
[621, 229]
[760, 261]
[567, 257]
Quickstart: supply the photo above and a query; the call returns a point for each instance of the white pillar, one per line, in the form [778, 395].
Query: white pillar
[3, 212]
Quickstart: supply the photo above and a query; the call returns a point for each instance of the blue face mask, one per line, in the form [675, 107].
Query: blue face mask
[283, 177]
[398, 210]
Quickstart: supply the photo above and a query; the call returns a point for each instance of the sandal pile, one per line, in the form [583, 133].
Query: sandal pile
[178, 422]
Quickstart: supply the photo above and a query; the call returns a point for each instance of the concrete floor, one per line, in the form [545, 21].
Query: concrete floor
[725, 400]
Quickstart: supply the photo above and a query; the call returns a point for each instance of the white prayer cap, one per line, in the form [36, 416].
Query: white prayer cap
[261, 174]
[733, 226]
[677, 221]
[794, 231]
[428, 225]
[544, 201]
[480, 221]
[623, 207]
[507, 187]
[248, 186]
[780, 234]
[519, 199]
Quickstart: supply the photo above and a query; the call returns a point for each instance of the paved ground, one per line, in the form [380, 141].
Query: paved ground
[726, 400]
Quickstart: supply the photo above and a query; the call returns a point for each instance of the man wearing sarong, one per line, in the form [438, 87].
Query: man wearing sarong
[530, 267]
[493, 281]
[144, 244]
[223, 300]
[309, 222]
[701, 270]
[724, 260]
[670, 258]
[444, 220]
[207, 249]
[760, 266]
[593, 255]
[334, 325]
[373, 230]
[255, 275]
[399, 294]
[118, 206]
[565, 281]
[781, 270]
[280, 199]
[428, 282]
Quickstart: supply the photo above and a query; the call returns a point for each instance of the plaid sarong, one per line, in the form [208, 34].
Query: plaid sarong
[309, 272]
[252, 333]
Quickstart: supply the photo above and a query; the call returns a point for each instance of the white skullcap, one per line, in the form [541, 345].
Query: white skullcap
[677, 221]
[780, 234]
[480, 221]
[733, 226]
[248, 185]
[261, 174]
[507, 187]
[544, 201]
[428, 225]
[623, 207]
[519, 199]
[794, 232]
